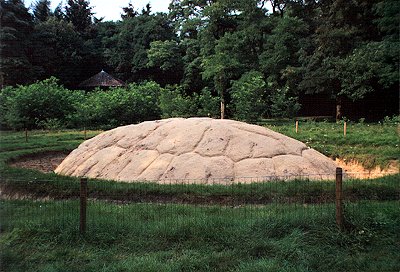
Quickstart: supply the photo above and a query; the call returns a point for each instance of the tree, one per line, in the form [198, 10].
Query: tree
[342, 27]
[79, 13]
[128, 55]
[278, 6]
[41, 10]
[58, 50]
[187, 16]
[147, 10]
[222, 67]
[58, 12]
[280, 59]
[16, 27]
[231, 42]
[374, 63]
[129, 12]
[167, 56]
[247, 96]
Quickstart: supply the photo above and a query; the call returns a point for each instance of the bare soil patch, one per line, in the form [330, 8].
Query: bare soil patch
[45, 162]
[356, 169]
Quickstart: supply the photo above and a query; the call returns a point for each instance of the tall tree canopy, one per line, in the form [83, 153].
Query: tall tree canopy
[41, 10]
[79, 13]
[128, 54]
[16, 28]
[342, 49]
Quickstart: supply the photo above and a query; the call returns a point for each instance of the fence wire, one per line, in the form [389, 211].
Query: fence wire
[178, 204]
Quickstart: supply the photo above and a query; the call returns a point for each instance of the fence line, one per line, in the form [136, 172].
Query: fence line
[95, 204]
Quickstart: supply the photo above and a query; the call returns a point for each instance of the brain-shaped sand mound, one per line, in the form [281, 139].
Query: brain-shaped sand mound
[199, 149]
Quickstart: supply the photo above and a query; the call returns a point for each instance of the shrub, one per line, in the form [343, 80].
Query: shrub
[247, 96]
[118, 106]
[33, 105]
[282, 104]
[394, 120]
[208, 105]
[173, 103]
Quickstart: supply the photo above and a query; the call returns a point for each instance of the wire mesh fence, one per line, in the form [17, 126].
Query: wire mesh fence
[179, 204]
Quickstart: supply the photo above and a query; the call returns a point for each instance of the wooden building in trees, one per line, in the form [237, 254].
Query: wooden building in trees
[102, 80]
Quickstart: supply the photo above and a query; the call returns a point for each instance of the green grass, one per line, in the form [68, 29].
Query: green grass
[137, 237]
[49, 185]
[295, 191]
[254, 227]
[370, 144]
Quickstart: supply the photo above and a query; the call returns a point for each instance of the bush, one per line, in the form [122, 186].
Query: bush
[247, 96]
[282, 104]
[208, 105]
[33, 105]
[394, 120]
[47, 105]
[118, 106]
[173, 103]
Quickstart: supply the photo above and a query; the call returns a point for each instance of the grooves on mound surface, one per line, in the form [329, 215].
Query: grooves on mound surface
[200, 149]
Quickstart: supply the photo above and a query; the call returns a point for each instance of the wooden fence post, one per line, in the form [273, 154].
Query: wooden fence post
[84, 132]
[339, 198]
[297, 126]
[344, 129]
[83, 204]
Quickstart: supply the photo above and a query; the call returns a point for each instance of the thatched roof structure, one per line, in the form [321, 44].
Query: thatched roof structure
[102, 79]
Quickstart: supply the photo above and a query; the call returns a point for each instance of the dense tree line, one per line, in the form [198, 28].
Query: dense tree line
[256, 61]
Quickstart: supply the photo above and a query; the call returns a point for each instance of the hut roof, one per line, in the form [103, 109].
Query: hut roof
[102, 79]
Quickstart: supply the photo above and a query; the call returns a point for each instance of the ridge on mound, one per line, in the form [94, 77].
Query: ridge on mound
[200, 149]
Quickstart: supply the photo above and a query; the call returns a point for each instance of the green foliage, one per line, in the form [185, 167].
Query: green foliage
[335, 47]
[41, 10]
[16, 27]
[165, 54]
[51, 124]
[394, 120]
[282, 104]
[173, 103]
[59, 51]
[32, 105]
[247, 96]
[130, 44]
[283, 48]
[208, 105]
[79, 13]
[365, 66]
[118, 106]
[46, 104]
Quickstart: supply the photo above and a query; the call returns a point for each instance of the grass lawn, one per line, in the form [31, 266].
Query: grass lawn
[371, 144]
[263, 231]
[193, 238]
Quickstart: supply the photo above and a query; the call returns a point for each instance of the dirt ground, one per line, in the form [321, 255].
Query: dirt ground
[356, 170]
[48, 162]
[44, 162]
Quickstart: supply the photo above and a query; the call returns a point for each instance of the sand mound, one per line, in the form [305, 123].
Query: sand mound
[201, 149]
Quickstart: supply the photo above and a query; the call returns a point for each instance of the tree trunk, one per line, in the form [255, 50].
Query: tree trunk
[220, 85]
[222, 108]
[338, 109]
